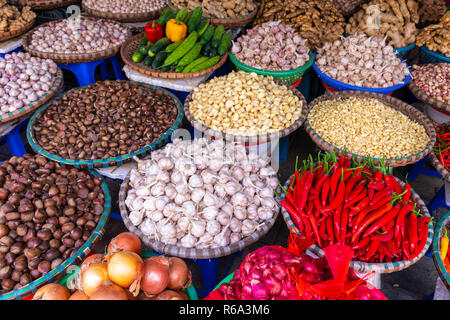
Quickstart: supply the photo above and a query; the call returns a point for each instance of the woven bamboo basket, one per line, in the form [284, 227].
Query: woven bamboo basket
[190, 253]
[438, 233]
[131, 45]
[394, 103]
[425, 97]
[67, 58]
[6, 35]
[116, 161]
[123, 16]
[257, 139]
[438, 165]
[228, 22]
[77, 258]
[46, 4]
[365, 267]
[56, 87]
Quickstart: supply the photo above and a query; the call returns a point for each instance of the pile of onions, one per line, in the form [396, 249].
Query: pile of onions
[52, 291]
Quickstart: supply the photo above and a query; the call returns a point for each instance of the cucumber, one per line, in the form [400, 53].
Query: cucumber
[144, 40]
[195, 19]
[212, 52]
[172, 15]
[207, 35]
[206, 48]
[159, 59]
[188, 16]
[181, 15]
[164, 14]
[148, 60]
[158, 46]
[171, 47]
[194, 63]
[191, 55]
[218, 32]
[184, 48]
[224, 43]
[137, 57]
[206, 64]
[143, 50]
[165, 69]
[202, 26]
[179, 69]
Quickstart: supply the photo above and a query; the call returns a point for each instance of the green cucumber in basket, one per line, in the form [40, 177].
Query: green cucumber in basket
[171, 47]
[184, 48]
[191, 55]
[158, 46]
[164, 14]
[205, 49]
[194, 63]
[137, 57]
[218, 32]
[143, 49]
[224, 43]
[212, 52]
[195, 19]
[202, 26]
[159, 59]
[207, 35]
[207, 64]
[188, 16]
[148, 60]
[181, 15]
[172, 15]
[179, 69]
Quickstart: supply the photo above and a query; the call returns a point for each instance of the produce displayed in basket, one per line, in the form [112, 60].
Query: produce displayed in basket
[182, 41]
[23, 80]
[348, 7]
[317, 21]
[220, 8]
[12, 18]
[122, 274]
[335, 201]
[443, 248]
[201, 194]
[245, 103]
[47, 213]
[125, 6]
[367, 127]
[431, 10]
[78, 35]
[435, 36]
[271, 46]
[394, 19]
[442, 146]
[277, 273]
[362, 61]
[104, 120]
[433, 78]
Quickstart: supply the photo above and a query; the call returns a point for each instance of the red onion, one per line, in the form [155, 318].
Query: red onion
[156, 275]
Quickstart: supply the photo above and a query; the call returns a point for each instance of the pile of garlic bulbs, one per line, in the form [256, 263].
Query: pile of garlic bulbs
[202, 193]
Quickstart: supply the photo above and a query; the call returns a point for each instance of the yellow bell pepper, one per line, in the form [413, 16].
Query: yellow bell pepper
[444, 245]
[176, 30]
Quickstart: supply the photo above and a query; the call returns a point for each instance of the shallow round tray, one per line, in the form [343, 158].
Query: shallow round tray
[425, 97]
[57, 85]
[77, 258]
[131, 45]
[227, 22]
[438, 165]
[190, 253]
[438, 233]
[46, 4]
[394, 103]
[261, 138]
[116, 161]
[6, 35]
[67, 58]
[122, 17]
[365, 267]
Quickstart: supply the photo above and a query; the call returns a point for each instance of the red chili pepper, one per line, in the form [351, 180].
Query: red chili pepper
[361, 196]
[378, 177]
[360, 187]
[400, 221]
[315, 229]
[372, 249]
[294, 215]
[367, 210]
[334, 181]
[380, 195]
[376, 185]
[344, 222]
[320, 182]
[388, 236]
[407, 195]
[329, 222]
[337, 223]
[317, 207]
[362, 244]
[388, 182]
[298, 187]
[369, 219]
[154, 31]
[420, 245]
[405, 249]
[305, 189]
[388, 226]
[323, 231]
[307, 224]
[347, 174]
[392, 249]
[361, 205]
[349, 186]
[395, 184]
[325, 191]
[385, 251]
[338, 200]
[385, 218]
[412, 232]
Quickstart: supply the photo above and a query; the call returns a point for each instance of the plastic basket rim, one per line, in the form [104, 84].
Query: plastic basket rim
[405, 49]
[367, 266]
[443, 273]
[104, 162]
[61, 269]
[311, 131]
[434, 54]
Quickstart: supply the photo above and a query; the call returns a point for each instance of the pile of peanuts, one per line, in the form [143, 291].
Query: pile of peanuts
[243, 103]
[367, 127]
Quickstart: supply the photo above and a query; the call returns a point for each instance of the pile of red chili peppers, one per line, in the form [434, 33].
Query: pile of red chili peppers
[442, 146]
[337, 201]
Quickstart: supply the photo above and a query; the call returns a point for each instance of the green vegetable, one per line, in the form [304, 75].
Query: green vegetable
[202, 26]
[166, 68]
[184, 48]
[159, 59]
[188, 16]
[206, 48]
[144, 40]
[143, 49]
[207, 35]
[171, 47]
[164, 14]
[172, 15]
[158, 46]
[195, 19]
[212, 52]
[224, 43]
[191, 55]
[148, 60]
[217, 35]
[181, 15]
[194, 63]
[137, 57]
[206, 64]
[149, 44]
[179, 69]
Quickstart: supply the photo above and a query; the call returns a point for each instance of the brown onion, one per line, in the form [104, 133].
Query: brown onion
[52, 291]
[126, 241]
[79, 295]
[126, 268]
[169, 295]
[109, 291]
[156, 275]
[93, 277]
[95, 258]
[179, 274]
